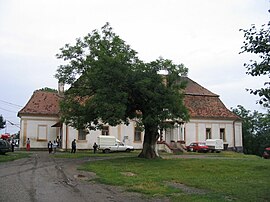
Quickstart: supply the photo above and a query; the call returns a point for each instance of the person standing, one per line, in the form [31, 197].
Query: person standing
[73, 146]
[50, 146]
[58, 141]
[12, 145]
[28, 144]
[95, 147]
[54, 146]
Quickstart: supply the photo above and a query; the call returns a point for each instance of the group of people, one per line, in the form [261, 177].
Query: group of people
[52, 146]
[55, 144]
[73, 146]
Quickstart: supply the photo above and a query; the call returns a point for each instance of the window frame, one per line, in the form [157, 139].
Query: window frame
[40, 136]
[222, 134]
[137, 133]
[105, 131]
[82, 133]
[208, 133]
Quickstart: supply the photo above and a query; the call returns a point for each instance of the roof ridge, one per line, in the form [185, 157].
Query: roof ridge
[193, 88]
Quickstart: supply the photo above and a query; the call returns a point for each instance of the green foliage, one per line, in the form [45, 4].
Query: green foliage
[258, 42]
[2, 122]
[218, 179]
[47, 89]
[255, 129]
[110, 85]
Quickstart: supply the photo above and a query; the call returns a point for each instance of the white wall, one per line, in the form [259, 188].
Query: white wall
[35, 127]
[38, 129]
[119, 132]
[238, 134]
[196, 131]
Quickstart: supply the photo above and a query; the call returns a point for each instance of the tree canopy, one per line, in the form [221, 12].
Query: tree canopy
[111, 85]
[257, 41]
[255, 130]
[2, 122]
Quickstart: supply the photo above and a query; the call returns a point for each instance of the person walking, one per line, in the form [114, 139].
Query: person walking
[28, 144]
[95, 146]
[50, 146]
[73, 146]
[54, 146]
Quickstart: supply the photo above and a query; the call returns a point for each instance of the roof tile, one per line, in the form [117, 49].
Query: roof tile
[200, 102]
[42, 103]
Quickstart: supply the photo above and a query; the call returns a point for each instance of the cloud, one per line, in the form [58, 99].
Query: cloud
[203, 35]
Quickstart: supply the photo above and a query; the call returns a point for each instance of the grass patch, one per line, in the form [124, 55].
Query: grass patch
[11, 156]
[235, 178]
[83, 154]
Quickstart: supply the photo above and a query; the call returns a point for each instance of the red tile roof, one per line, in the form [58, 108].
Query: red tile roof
[194, 88]
[200, 102]
[42, 103]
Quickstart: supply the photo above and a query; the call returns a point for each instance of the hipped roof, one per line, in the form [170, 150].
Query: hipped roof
[200, 102]
[203, 104]
[42, 103]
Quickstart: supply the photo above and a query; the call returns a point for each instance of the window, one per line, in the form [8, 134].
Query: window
[222, 134]
[42, 132]
[105, 130]
[82, 134]
[137, 134]
[208, 133]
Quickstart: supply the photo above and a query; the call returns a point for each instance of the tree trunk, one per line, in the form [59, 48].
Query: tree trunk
[149, 150]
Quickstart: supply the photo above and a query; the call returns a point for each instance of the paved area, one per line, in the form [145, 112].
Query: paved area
[42, 178]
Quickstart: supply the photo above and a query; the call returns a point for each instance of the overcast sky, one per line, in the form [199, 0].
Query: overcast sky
[202, 34]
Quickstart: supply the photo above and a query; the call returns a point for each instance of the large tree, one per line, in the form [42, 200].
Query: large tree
[110, 85]
[257, 41]
[2, 122]
[255, 129]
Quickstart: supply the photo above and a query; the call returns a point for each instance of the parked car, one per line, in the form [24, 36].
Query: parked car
[4, 146]
[266, 153]
[198, 146]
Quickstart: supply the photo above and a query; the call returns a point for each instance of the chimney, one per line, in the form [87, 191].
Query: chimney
[61, 88]
[164, 74]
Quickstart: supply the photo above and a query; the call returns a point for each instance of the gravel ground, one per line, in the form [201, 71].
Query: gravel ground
[42, 178]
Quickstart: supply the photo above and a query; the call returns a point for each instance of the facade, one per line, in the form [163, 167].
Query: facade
[209, 119]
[39, 114]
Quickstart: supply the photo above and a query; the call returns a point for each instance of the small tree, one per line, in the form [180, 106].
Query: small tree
[2, 122]
[110, 85]
[258, 42]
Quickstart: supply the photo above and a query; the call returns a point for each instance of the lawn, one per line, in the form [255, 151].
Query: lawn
[10, 156]
[227, 176]
[230, 177]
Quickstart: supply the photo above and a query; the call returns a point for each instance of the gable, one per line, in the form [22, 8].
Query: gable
[42, 103]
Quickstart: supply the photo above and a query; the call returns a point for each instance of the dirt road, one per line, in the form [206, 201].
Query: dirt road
[43, 178]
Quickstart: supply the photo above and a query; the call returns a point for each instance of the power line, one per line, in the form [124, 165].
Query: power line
[13, 124]
[8, 110]
[10, 103]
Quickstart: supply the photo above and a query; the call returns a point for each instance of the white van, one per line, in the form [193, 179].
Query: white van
[110, 143]
[215, 145]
